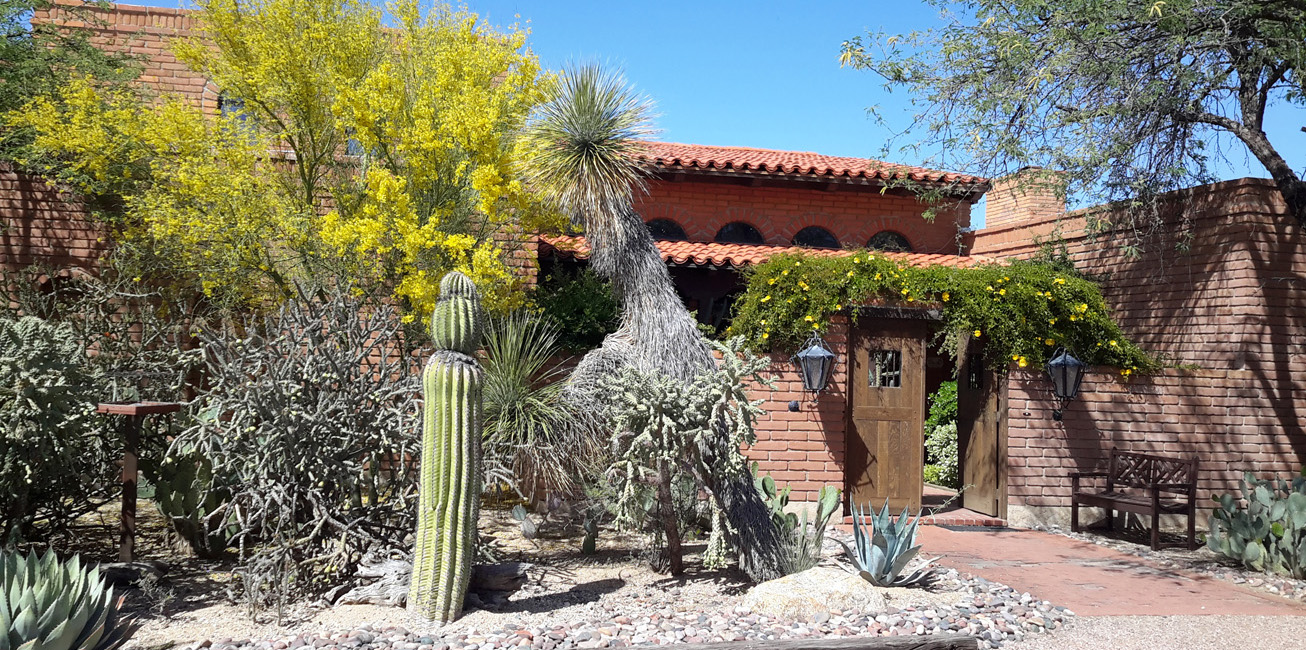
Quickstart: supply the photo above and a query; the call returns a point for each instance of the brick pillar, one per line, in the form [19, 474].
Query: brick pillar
[1031, 194]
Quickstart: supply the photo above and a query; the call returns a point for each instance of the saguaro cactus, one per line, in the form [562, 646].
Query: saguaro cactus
[449, 503]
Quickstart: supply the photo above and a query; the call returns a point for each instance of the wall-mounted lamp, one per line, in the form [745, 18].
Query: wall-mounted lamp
[1066, 373]
[815, 363]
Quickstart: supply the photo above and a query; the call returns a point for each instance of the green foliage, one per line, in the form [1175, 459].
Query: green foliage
[451, 478]
[39, 59]
[48, 604]
[581, 304]
[1129, 98]
[49, 453]
[662, 425]
[884, 548]
[941, 437]
[1267, 530]
[1022, 311]
[803, 542]
[533, 440]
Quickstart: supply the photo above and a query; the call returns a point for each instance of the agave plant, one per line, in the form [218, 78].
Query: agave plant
[46, 604]
[885, 548]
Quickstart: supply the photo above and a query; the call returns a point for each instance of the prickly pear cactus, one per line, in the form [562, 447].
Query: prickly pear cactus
[449, 503]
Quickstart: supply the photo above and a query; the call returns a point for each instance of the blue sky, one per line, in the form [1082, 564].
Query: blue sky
[760, 74]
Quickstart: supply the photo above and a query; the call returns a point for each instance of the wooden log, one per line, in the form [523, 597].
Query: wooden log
[930, 642]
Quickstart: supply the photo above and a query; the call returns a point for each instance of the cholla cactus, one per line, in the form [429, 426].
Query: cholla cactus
[451, 455]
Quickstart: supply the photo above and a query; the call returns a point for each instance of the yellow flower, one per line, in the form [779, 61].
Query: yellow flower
[1045, 341]
[1112, 343]
[1015, 357]
[785, 272]
[1052, 321]
[858, 260]
[1083, 307]
[766, 335]
[1059, 281]
[850, 274]
[803, 285]
[766, 298]
[990, 287]
[1002, 292]
[1126, 372]
[945, 296]
[771, 281]
[877, 276]
[837, 307]
[978, 333]
[816, 326]
[808, 318]
[1023, 362]
[906, 291]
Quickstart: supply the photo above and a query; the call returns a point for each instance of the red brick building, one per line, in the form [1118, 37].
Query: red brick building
[1228, 308]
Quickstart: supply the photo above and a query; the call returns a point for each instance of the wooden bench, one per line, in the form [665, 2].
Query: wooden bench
[1142, 484]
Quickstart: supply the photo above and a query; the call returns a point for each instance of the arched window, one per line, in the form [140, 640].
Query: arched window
[888, 240]
[666, 229]
[738, 232]
[816, 237]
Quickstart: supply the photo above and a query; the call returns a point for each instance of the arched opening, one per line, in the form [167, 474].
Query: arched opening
[888, 240]
[738, 232]
[666, 229]
[815, 237]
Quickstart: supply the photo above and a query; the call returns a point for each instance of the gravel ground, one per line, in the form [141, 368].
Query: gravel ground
[614, 605]
[1175, 633]
[1201, 561]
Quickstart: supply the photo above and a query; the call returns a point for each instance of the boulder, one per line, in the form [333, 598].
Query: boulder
[816, 591]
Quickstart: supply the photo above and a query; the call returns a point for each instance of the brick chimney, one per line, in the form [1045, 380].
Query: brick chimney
[1030, 195]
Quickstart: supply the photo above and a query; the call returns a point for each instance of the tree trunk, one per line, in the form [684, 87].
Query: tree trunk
[667, 513]
[752, 534]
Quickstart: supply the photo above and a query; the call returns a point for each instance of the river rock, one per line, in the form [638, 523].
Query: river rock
[801, 596]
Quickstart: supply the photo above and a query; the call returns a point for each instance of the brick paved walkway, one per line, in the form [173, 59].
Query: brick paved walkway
[1092, 580]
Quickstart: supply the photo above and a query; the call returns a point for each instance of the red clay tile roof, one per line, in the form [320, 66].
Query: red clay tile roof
[684, 253]
[802, 163]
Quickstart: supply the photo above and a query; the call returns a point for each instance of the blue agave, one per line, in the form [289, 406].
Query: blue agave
[885, 548]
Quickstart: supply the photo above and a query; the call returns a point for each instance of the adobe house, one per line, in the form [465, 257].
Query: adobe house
[1218, 293]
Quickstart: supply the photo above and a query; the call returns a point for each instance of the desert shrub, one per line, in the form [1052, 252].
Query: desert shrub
[581, 304]
[660, 427]
[532, 441]
[1264, 526]
[941, 437]
[132, 342]
[309, 427]
[50, 457]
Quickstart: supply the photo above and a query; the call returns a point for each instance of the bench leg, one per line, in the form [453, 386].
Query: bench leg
[1192, 527]
[1110, 519]
[1156, 529]
[1074, 516]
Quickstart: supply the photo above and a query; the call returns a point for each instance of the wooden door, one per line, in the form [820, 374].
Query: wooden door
[981, 449]
[886, 413]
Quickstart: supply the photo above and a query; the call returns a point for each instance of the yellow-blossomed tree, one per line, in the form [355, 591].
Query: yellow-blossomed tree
[378, 145]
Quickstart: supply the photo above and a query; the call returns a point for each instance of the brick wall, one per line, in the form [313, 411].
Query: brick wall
[41, 228]
[145, 32]
[1231, 420]
[1220, 289]
[852, 215]
[804, 450]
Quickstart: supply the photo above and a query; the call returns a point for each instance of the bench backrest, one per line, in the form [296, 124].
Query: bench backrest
[1141, 470]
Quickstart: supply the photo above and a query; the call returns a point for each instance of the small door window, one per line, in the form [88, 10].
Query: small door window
[886, 369]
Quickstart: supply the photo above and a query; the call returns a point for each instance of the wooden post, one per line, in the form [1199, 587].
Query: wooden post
[127, 527]
[135, 415]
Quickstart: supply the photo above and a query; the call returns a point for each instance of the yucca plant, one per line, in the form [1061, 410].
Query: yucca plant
[534, 440]
[46, 604]
[885, 547]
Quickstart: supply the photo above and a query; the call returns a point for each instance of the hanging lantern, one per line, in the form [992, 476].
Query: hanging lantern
[815, 363]
[1066, 373]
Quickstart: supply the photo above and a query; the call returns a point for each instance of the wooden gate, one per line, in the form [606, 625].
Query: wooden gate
[886, 413]
[981, 435]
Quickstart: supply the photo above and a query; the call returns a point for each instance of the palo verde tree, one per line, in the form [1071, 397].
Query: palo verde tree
[583, 146]
[1129, 97]
[377, 146]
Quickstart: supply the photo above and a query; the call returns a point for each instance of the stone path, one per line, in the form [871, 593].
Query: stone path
[1091, 580]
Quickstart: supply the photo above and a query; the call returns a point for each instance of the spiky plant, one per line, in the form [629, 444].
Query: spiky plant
[884, 548]
[45, 603]
[529, 442]
[449, 501]
[583, 147]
